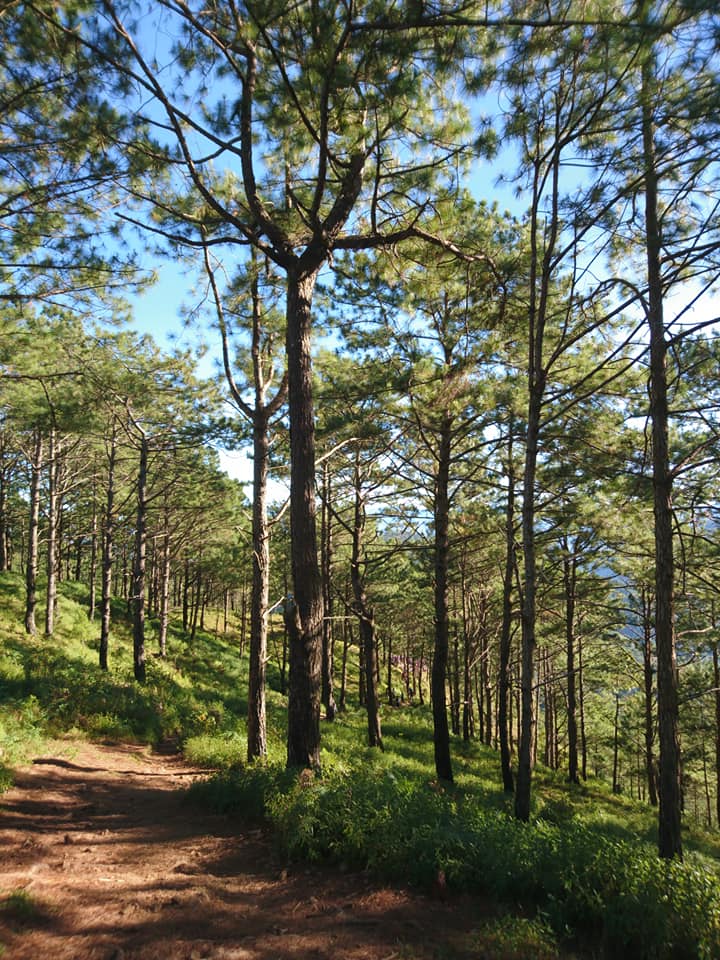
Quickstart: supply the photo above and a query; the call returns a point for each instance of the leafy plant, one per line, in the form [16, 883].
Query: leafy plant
[518, 938]
[22, 910]
[575, 878]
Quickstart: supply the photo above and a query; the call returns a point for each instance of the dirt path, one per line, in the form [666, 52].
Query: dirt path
[102, 857]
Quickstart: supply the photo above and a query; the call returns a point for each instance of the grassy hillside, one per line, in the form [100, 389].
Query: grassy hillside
[583, 871]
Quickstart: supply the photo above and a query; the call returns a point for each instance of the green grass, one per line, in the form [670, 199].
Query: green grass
[517, 938]
[22, 911]
[51, 686]
[362, 814]
[583, 870]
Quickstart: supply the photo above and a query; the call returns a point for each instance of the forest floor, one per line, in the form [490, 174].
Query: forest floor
[102, 856]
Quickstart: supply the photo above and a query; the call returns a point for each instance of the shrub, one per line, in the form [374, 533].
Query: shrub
[518, 938]
[576, 879]
[216, 750]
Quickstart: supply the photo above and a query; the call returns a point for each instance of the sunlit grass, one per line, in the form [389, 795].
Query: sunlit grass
[586, 862]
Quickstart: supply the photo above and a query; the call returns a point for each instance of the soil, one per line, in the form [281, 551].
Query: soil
[103, 856]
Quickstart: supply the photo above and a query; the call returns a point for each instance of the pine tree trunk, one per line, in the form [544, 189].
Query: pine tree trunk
[570, 582]
[527, 661]
[107, 554]
[544, 682]
[541, 273]
[124, 587]
[347, 636]
[164, 585]
[31, 566]
[256, 716]
[52, 534]
[79, 544]
[366, 619]
[506, 629]
[616, 746]
[388, 667]
[243, 617]
[284, 653]
[186, 596]
[441, 733]
[138, 584]
[204, 589]
[4, 520]
[706, 782]
[581, 700]
[454, 683]
[151, 578]
[467, 712]
[669, 825]
[195, 602]
[648, 705]
[92, 573]
[421, 675]
[326, 539]
[304, 614]
[485, 681]
[716, 679]
[362, 699]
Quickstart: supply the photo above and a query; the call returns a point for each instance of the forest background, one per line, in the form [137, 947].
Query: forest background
[499, 428]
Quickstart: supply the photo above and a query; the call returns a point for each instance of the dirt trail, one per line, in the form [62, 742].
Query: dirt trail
[115, 864]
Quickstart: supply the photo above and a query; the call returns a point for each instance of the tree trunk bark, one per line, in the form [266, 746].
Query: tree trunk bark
[79, 544]
[581, 700]
[243, 616]
[347, 636]
[541, 269]
[138, 586]
[441, 734]
[467, 709]
[31, 567]
[4, 520]
[327, 695]
[616, 746]
[388, 648]
[453, 682]
[52, 533]
[256, 716]
[545, 682]
[107, 554]
[304, 612]
[485, 679]
[196, 601]
[366, 619]
[362, 700]
[421, 675]
[648, 705]
[186, 595]
[527, 662]
[92, 573]
[570, 583]
[506, 629]
[669, 824]
[164, 585]
[716, 679]
[204, 589]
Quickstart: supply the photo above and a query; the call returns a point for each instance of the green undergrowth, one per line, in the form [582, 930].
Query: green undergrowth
[578, 881]
[584, 867]
[50, 687]
[515, 938]
[583, 871]
[21, 910]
